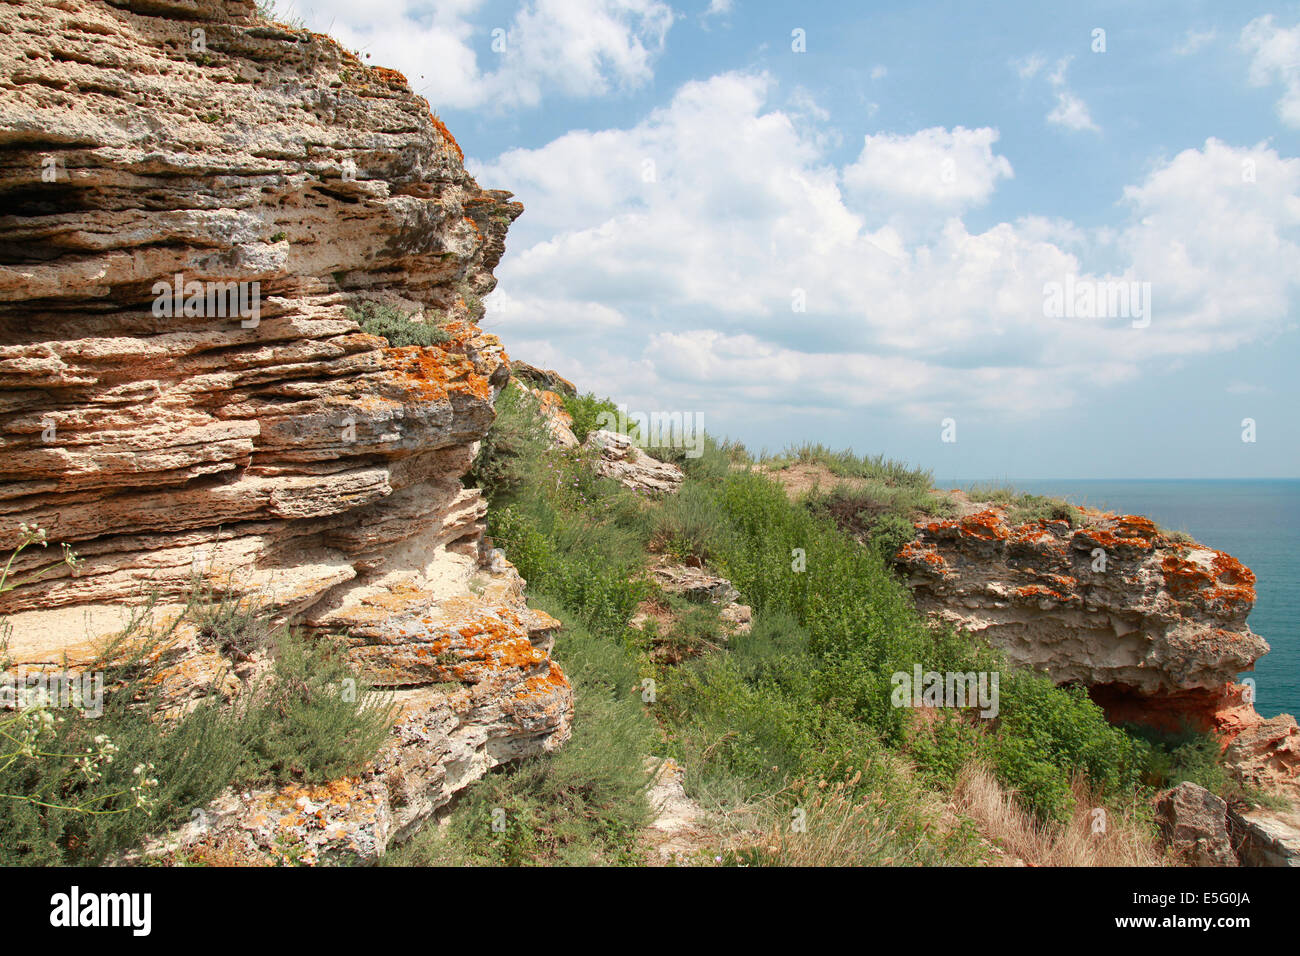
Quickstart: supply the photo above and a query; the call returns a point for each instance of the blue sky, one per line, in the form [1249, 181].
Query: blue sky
[915, 179]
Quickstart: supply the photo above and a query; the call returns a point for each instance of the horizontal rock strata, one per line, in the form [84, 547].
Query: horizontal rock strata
[1155, 627]
[278, 451]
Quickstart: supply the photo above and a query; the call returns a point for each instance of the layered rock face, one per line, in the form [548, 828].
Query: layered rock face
[1156, 628]
[270, 446]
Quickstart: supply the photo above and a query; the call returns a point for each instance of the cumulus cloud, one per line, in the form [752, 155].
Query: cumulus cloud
[457, 59]
[1275, 59]
[725, 258]
[951, 169]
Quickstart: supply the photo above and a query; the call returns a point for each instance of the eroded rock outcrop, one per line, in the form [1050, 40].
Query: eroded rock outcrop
[280, 451]
[1155, 627]
[621, 459]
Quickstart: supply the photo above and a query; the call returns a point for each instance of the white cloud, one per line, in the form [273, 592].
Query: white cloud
[952, 169]
[576, 48]
[1070, 111]
[1275, 59]
[692, 276]
[1193, 42]
[1027, 68]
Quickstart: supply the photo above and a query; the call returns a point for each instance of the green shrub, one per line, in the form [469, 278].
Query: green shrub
[1029, 508]
[233, 626]
[80, 788]
[944, 747]
[512, 447]
[845, 464]
[395, 326]
[1022, 507]
[689, 524]
[994, 493]
[1046, 733]
[775, 645]
[586, 411]
[601, 586]
[875, 513]
[313, 719]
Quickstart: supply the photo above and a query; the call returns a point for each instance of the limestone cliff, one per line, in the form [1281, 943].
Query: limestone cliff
[148, 144]
[1155, 627]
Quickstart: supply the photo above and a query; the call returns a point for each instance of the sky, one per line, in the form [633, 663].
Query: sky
[998, 241]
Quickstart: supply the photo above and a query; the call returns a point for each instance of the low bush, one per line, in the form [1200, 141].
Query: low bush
[689, 525]
[512, 447]
[845, 464]
[395, 326]
[79, 786]
[585, 410]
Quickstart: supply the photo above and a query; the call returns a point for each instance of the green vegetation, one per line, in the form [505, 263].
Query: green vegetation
[586, 410]
[793, 720]
[1023, 507]
[394, 325]
[845, 464]
[879, 514]
[1171, 758]
[796, 715]
[81, 785]
[877, 500]
[511, 448]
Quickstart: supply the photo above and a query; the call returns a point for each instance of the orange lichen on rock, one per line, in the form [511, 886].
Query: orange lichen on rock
[391, 78]
[552, 405]
[915, 551]
[1226, 580]
[428, 373]
[988, 525]
[446, 135]
[1038, 590]
[1034, 532]
[1230, 571]
[1136, 526]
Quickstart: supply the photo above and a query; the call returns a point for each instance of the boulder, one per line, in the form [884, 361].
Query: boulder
[1194, 824]
[623, 461]
[695, 584]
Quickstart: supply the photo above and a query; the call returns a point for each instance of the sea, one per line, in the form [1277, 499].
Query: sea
[1257, 521]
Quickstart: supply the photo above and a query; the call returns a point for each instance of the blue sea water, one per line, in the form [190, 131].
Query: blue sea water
[1257, 521]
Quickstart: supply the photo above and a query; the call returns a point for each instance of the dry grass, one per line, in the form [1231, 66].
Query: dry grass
[841, 826]
[1126, 840]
